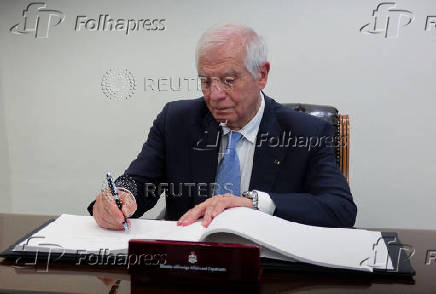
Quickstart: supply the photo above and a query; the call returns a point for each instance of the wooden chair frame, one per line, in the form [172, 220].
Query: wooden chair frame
[344, 145]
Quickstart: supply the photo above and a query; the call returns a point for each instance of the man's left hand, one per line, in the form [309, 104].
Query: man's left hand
[212, 207]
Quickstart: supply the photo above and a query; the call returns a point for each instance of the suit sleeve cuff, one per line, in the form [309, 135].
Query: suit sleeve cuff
[265, 203]
[127, 184]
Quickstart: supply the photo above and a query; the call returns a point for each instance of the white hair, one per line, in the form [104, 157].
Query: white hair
[255, 48]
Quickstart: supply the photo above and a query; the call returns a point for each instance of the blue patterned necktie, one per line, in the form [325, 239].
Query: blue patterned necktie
[229, 173]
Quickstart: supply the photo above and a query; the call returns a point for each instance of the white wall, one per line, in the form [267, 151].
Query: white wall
[4, 159]
[60, 134]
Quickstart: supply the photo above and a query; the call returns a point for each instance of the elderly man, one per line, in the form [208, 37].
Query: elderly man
[220, 151]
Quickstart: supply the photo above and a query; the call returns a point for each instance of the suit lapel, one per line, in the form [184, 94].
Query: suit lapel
[204, 154]
[268, 154]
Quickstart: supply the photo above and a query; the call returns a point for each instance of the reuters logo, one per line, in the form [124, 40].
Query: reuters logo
[118, 84]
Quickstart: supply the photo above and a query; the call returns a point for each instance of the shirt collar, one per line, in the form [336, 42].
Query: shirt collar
[249, 131]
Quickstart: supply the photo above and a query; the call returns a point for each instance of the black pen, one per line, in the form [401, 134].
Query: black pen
[114, 192]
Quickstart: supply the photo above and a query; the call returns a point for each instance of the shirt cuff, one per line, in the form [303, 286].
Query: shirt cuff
[125, 190]
[265, 203]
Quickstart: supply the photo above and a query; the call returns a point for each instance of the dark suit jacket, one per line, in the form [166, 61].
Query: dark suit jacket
[304, 181]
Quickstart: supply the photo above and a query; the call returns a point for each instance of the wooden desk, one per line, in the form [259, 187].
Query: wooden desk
[86, 279]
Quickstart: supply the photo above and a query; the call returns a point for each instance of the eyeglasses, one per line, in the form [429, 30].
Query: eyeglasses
[222, 84]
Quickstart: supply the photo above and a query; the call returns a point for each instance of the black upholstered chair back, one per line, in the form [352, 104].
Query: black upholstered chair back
[342, 126]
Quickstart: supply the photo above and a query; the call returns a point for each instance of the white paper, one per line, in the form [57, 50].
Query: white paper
[331, 247]
[69, 233]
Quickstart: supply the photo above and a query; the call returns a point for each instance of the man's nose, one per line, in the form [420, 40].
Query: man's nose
[216, 90]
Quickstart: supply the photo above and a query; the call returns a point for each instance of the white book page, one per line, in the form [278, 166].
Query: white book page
[331, 247]
[69, 233]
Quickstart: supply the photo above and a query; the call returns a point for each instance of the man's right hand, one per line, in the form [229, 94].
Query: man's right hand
[106, 212]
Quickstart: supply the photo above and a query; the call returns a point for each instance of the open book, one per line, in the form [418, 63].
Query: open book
[279, 239]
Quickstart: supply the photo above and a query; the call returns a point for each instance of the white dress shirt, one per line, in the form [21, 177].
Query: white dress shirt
[245, 151]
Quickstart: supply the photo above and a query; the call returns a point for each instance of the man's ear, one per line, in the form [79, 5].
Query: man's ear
[263, 74]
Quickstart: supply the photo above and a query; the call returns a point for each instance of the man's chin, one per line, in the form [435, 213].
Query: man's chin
[223, 118]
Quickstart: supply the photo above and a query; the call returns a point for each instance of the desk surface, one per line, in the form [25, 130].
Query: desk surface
[75, 279]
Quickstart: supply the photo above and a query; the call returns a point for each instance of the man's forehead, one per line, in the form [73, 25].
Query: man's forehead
[228, 73]
[221, 54]
[222, 65]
